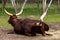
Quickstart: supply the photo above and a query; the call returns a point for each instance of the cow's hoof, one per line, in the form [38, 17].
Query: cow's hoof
[49, 34]
[44, 34]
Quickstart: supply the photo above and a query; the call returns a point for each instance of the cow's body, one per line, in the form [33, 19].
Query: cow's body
[32, 28]
[28, 26]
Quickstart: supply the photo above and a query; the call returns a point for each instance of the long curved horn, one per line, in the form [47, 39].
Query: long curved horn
[8, 12]
[22, 8]
[44, 14]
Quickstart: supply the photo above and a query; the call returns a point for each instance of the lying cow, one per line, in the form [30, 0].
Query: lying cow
[27, 26]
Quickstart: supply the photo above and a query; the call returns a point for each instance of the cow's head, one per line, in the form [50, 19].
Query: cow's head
[13, 17]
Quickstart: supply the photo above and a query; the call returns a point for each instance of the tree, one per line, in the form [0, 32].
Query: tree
[14, 5]
[3, 5]
[16, 1]
[58, 3]
[45, 11]
[44, 5]
[38, 4]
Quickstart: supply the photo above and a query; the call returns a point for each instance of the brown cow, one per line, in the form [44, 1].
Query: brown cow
[27, 26]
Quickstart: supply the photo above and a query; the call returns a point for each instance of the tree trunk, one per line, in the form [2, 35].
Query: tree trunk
[38, 4]
[3, 5]
[58, 4]
[43, 5]
[16, 1]
[14, 5]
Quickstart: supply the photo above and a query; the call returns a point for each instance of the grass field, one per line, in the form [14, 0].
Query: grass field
[31, 12]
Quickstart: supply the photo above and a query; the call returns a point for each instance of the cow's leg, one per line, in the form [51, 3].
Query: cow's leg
[43, 32]
[42, 29]
[33, 31]
[27, 33]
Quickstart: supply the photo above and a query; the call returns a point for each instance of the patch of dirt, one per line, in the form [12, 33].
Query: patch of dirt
[54, 30]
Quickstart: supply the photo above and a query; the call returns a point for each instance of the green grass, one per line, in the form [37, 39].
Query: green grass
[4, 22]
[30, 12]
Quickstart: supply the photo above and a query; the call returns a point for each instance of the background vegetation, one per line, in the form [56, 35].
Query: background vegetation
[30, 11]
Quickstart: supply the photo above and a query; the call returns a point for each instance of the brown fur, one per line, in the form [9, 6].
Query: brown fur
[31, 27]
[28, 26]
